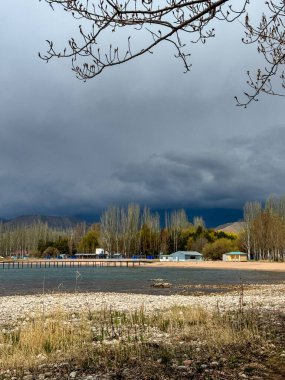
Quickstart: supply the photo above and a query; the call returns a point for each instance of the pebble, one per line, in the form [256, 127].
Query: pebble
[73, 375]
[268, 297]
[41, 357]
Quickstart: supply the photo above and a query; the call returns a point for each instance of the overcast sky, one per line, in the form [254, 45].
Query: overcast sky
[141, 132]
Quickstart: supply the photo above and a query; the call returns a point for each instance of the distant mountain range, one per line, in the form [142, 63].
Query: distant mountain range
[213, 217]
[58, 222]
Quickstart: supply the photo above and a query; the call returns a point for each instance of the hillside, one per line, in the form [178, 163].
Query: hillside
[234, 227]
[58, 222]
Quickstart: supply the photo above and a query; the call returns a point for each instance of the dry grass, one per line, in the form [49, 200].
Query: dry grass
[109, 338]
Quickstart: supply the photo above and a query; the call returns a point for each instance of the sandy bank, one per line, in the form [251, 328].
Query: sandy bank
[252, 265]
[269, 297]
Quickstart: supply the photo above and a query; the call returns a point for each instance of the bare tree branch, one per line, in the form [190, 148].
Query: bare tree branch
[269, 36]
[169, 21]
[165, 21]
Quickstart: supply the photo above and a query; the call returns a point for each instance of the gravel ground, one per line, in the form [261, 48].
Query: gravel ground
[265, 297]
[268, 297]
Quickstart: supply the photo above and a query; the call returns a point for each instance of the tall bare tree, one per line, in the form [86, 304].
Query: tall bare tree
[110, 229]
[175, 222]
[250, 212]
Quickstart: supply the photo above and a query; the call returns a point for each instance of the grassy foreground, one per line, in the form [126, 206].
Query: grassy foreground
[178, 343]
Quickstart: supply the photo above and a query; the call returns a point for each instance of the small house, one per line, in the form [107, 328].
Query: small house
[98, 254]
[165, 258]
[117, 255]
[182, 256]
[235, 256]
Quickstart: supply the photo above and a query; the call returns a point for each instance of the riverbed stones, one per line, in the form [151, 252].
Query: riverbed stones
[161, 285]
[187, 362]
[28, 377]
[13, 308]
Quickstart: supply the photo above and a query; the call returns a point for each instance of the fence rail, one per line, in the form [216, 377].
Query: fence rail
[77, 263]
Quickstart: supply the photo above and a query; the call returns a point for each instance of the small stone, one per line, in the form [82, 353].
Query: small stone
[203, 366]
[41, 377]
[182, 367]
[214, 364]
[73, 374]
[41, 357]
[28, 377]
[63, 364]
[161, 285]
[187, 362]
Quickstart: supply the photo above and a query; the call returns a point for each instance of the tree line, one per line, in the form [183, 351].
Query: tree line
[130, 230]
[263, 235]
[34, 239]
[136, 231]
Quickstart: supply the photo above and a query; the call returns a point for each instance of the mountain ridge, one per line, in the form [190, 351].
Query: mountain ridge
[63, 222]
[234, 227]
[214, 218]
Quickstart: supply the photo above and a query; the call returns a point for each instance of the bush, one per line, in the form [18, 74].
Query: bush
[215, 251]
[51, 251]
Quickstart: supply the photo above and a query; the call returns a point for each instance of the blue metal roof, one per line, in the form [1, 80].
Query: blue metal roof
[193, 253]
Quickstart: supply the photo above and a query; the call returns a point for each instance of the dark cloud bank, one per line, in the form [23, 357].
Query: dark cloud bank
[143, 132]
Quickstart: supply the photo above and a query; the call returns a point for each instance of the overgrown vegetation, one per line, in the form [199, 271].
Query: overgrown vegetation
[180, 342]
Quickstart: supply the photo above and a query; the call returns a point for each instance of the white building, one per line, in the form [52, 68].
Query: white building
[182, 256]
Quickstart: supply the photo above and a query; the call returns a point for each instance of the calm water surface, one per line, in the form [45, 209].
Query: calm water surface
[136, 280]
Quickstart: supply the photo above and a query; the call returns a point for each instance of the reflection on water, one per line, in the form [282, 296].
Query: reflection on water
[135, 280]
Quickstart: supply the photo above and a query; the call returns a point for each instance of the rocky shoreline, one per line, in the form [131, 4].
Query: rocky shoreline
[178, 343]
[267, 297]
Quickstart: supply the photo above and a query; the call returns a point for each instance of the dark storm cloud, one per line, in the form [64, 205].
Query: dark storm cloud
[141, 132]
[242, 169]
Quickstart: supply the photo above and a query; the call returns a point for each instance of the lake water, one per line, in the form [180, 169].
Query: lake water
[135, 280]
